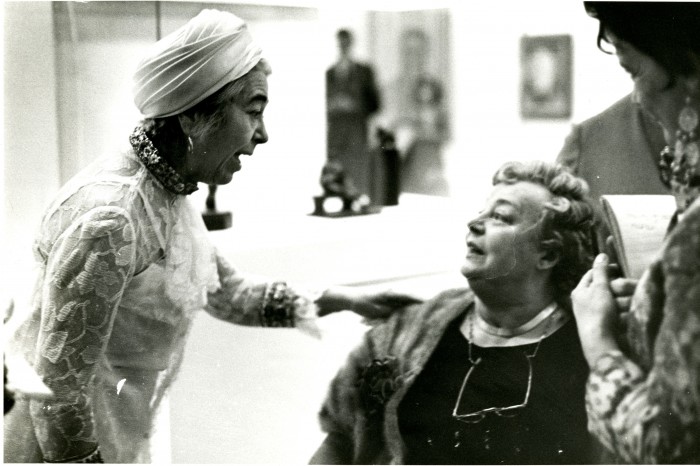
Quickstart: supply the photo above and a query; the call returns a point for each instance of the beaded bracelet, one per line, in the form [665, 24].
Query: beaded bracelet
[278, 306]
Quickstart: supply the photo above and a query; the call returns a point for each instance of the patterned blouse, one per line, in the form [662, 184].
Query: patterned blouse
[124, 265]
[644, 402]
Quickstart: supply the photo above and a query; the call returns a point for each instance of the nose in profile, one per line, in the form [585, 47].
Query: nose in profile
[476, 226]
[260, 136]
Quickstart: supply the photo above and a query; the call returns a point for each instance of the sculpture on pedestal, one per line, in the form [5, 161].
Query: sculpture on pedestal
[213, 219]
[337, 184]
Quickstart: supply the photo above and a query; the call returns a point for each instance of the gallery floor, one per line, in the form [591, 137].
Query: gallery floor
[248, 395]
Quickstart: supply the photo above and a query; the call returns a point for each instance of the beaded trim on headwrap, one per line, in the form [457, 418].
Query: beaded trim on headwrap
[148, 155]
[278, 306]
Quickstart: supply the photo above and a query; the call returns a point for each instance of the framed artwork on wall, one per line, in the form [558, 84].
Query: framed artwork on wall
[545, 77]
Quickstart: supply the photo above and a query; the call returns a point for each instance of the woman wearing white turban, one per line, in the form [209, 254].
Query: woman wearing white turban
[125, 261]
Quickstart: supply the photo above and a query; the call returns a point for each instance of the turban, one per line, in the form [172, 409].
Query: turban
[190, 64]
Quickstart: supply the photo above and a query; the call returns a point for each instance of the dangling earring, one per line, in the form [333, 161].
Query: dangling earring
[190, 146]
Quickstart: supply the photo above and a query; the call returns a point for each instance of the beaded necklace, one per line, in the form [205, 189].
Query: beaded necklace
[157, 166]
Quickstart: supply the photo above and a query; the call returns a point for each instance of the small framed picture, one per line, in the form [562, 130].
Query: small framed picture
[545, 77]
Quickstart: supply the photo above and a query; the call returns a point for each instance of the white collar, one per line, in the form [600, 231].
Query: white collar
[514, 332]
[486, 335]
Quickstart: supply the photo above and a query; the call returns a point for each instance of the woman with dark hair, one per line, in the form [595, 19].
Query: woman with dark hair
[125, 262]
[643, 394]
[489, 374]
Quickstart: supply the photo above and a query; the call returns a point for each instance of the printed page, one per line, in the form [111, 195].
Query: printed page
[639, 224]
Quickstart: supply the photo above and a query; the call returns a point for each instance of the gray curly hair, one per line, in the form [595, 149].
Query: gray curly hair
[567, 222]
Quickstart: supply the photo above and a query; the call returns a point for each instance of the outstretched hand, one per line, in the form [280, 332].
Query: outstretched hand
[368, 303]
[596, 310]
[380, 304]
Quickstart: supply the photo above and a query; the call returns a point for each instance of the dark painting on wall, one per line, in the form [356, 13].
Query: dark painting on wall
[545, 77]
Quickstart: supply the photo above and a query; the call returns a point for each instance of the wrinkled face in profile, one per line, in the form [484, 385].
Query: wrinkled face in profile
[503, 241]
[651, 84]
[217, 153]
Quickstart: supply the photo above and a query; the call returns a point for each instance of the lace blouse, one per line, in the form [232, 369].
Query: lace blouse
[644, 403]
[124, 265]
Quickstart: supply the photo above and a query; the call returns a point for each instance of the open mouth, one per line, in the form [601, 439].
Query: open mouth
[473, 248]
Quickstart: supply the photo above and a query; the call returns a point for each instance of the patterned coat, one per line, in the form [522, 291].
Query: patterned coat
[644, 402]
[387, 363]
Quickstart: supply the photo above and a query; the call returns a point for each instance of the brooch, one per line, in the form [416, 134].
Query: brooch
[378, 382]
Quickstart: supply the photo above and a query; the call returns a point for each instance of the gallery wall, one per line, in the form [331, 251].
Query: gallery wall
[487, 78]
[67, 93]
[31, 171]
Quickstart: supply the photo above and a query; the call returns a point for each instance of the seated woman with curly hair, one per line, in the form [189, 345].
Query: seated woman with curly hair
[491, 373]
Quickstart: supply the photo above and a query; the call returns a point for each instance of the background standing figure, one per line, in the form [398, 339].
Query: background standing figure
[351, 99]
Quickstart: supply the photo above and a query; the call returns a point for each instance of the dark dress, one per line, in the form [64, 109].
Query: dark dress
[551, 429]
[351, 98]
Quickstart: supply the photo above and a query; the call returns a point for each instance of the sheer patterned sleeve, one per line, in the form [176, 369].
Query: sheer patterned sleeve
[245, 300]
[654, 416]
[87, 270]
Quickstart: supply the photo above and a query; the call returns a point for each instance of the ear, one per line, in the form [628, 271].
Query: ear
[186, 123]
[548, 257]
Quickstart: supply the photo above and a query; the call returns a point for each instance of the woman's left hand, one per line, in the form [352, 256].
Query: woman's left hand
[367, 303]
[595, 310]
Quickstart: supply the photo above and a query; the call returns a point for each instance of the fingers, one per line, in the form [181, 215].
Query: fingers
[585, 281]
[623, 287]
[623, 320]
[614, 270]
[600, 269]
[601, 272]
[610, 249]
[623, 304]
